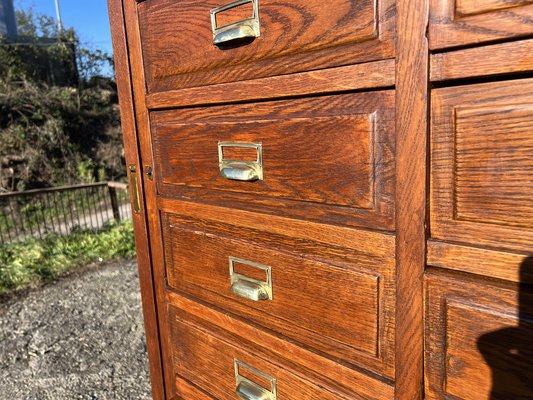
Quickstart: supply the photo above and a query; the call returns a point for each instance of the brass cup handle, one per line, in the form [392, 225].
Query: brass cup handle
[240, 171]
[250, 290]
[246, 29]
[248, 287]
[248, 390]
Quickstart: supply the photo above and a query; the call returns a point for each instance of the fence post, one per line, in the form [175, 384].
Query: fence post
[114, 202]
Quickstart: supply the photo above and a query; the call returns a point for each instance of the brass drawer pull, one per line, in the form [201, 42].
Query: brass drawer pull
[250, 288]
[246, 29]
[249, 390]
[241, 170]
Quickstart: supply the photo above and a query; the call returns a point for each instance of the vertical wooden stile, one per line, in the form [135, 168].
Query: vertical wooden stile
[129, 129]
[149, 189]
[411, 153]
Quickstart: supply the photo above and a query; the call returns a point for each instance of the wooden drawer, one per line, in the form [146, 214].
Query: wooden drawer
[297, 35]
[206, 356]
[328, 159]
[461, 22]
[343, 310]
[482, 164]
[479, 340]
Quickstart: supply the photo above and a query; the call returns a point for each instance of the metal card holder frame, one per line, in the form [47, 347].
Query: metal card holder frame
[247, 28]
[249, 390]
[247, 287]
[241, 170]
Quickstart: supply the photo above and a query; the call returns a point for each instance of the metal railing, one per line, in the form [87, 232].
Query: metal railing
[60, 210]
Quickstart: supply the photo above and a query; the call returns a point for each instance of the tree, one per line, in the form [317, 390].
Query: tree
[52, 131]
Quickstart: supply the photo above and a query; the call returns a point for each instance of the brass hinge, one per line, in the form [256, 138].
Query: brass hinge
[134, 190]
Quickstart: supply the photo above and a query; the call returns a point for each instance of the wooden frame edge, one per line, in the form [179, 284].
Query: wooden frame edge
[514, 57]
[412, 86]
[131, 151]
[370, 75]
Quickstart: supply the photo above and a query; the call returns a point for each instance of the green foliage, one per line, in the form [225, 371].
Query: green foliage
[41, 45]
[49, 135]
[31, 261]
[35, 25]
[50, 131]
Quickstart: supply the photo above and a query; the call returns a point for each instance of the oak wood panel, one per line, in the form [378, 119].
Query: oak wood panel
[479, 340]
[153, 222]
[314, 159]
[474, 7]
[296, 36]
[372, 75]
[412, 76]
[207, 360]
[360, 243]
[485, 262]
[345, 310]
[497, 59]
[461, 22]
[336, 165]
[129, 132]
[481, 161]
[348, 382]
[187, 391]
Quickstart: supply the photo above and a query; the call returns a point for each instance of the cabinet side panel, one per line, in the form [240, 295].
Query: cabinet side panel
[129, 132]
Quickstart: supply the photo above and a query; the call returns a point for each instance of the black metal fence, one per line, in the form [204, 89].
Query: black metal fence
[37, 213]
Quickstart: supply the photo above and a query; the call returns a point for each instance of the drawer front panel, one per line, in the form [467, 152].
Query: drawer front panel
[298, 35]
[344, 310]
[460, 22]
[479, 340]
[482, 164]
[332, 151]
[208, 361]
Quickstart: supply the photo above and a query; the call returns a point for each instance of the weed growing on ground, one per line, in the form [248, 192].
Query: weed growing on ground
[25, 263]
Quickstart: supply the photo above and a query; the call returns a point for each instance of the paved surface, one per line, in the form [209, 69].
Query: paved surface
[79, 338]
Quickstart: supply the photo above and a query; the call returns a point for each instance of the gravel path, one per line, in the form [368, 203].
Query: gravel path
[79, 338]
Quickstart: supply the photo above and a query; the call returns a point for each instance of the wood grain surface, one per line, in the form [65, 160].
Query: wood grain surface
[129, 132]
[144, 145]
[342, 309]
[412, 76]
[207, 360]
[479, 340]
[341, 214]
[296, 36]
[481, 163]
[480, 261]
[335, 377]
[334, 151]
[187, 391]
[371, 75]
[496, 59]
[361, 243]
[462, 22]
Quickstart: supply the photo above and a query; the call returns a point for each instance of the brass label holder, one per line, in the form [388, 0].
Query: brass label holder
[246, 389]
[247, 287]
[245, 29]
[241, 170]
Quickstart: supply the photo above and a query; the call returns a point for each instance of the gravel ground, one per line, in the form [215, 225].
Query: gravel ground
[81, 337]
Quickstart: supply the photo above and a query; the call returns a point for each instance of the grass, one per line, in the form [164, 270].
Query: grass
[32, 261]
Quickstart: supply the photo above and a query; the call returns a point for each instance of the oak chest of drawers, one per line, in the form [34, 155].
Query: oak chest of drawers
[331, 200]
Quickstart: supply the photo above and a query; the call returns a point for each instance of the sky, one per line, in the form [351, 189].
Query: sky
[88, 18]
